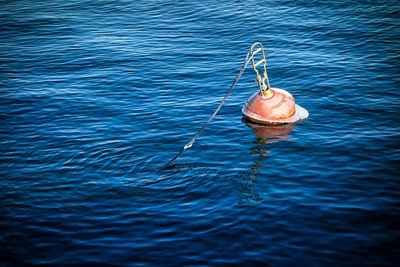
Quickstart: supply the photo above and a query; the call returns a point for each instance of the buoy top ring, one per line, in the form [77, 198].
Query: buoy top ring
[265, 89]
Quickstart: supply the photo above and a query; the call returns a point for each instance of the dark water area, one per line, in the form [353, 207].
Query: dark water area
[96, 95]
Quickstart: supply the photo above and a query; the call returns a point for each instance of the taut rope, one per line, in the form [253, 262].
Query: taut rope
[189, 145]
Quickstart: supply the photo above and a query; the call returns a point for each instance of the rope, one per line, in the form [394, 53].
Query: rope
[189, 145]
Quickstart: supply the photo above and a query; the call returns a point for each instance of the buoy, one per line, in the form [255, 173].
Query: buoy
[271, 106]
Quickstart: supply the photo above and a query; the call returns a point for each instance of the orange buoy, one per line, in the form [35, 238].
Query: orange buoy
[271, 106]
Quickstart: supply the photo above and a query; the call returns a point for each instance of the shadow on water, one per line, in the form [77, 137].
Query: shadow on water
[248, 179]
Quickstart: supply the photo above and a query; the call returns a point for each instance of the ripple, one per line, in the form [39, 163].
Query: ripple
[96, 96]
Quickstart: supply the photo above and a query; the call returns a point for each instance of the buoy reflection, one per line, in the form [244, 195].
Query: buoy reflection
[248, 179]
[270, 134]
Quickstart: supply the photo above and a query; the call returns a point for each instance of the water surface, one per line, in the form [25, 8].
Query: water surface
[96, 95]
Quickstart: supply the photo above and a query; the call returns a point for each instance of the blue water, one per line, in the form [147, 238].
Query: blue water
[97, 95]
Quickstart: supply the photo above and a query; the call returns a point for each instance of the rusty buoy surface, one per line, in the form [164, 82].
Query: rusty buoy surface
[278, 108]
